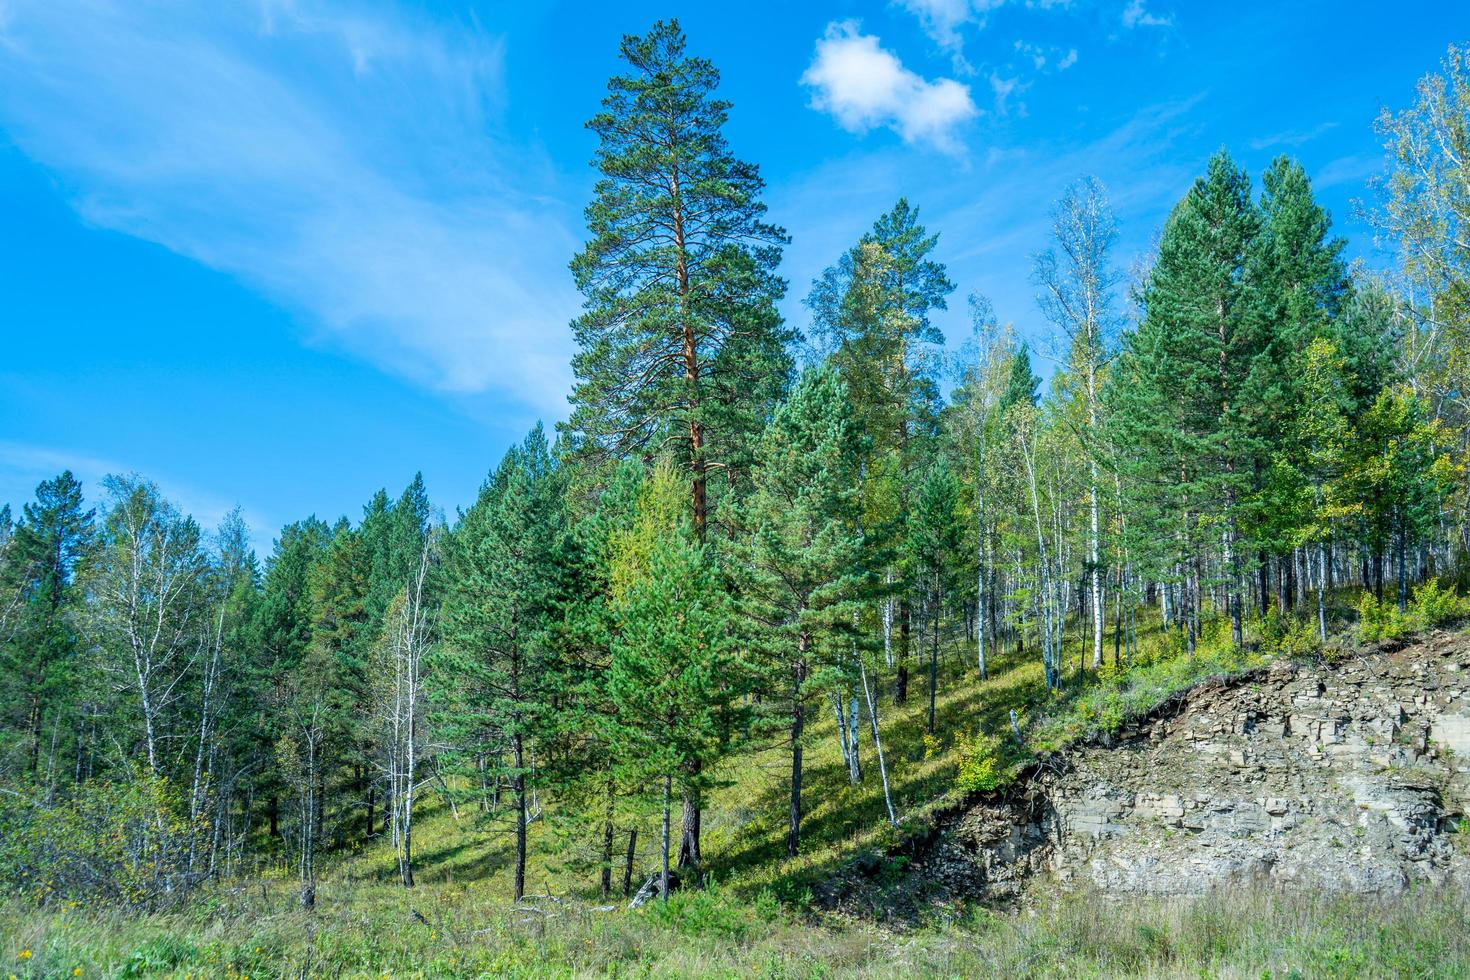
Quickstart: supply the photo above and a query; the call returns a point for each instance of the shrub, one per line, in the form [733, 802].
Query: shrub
[128, 842]
[987, 763]
[1431, 604]
[1289, 635]
[1434, 604]
[1379, 620]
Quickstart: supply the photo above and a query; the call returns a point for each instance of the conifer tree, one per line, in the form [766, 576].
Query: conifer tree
[934, 545]
[802, 551]
[674, 670]
[38, 652]
[1197, 350]
[871, 314]
[497, 670]
[680, 347]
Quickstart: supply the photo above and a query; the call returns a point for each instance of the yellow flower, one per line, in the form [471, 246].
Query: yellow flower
[76, 972]
[25, 954]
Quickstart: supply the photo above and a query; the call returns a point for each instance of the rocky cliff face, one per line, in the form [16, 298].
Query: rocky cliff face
[1349, 776]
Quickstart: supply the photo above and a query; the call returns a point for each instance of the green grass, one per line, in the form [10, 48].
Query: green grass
[466, 931]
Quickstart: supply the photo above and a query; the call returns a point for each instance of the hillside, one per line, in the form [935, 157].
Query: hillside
[1339, 780]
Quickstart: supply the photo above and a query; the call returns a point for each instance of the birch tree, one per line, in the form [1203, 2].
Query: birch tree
[1077, 278]
[149, 612]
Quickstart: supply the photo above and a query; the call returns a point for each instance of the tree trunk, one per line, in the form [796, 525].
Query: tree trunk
[905, 629]
[628, 862]
[663, 881]
[520, 793]
[877, 741]
[798, 722]
[607, 843]
[934, 659]
[690, 859]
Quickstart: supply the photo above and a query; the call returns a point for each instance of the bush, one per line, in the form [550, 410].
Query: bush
[128, 842]
[1431, 604]
[987, 763]
[1434, 604]
[1289, 635]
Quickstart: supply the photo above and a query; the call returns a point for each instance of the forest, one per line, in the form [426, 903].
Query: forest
[757, 536]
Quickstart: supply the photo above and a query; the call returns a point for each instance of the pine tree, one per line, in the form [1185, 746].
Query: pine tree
[871, 313]
[681, 349]
[281, 635]
[498, 672]
[934, 547]
[674, 671]
[803, 556]
[38, 660]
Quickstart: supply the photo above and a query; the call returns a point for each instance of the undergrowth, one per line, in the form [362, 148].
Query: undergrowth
[378, 931]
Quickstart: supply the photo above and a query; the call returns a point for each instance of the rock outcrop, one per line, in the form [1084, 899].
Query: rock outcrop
[1346, 776]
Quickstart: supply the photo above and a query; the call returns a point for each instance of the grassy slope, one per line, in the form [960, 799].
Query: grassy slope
[366, 926]
[745, 822]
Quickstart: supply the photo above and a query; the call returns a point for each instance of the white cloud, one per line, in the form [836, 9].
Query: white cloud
[1040, 56]
[1003, 89]
[942, 19]
[863, 86]
[335, 160]
[1137, 15]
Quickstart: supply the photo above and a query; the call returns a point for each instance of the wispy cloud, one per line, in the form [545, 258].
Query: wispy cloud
[943, 20]
[24, 466]
[1042, 56]
[1295, 137]
[1136, 14]
[334, 159]
[994, 219]
[1348, 170]
[1003, 89]
[863, 86]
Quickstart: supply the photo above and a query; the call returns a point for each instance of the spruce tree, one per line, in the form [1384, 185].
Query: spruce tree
[1201, 349]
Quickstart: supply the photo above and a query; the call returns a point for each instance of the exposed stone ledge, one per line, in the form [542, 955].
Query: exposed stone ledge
[1349, 777]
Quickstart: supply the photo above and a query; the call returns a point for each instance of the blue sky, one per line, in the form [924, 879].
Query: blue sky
[280, 253]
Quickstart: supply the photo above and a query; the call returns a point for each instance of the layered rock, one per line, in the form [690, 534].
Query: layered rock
[1348, 777]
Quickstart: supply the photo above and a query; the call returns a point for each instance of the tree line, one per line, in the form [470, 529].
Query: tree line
[743, 523]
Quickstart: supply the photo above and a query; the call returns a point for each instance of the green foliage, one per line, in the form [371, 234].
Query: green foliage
[1433, 604]
[986, 763]
[131, 843]
[680, 345]
[714, 912]
[1288, 635]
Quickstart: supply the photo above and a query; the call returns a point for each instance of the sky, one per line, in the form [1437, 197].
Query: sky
[276, 254]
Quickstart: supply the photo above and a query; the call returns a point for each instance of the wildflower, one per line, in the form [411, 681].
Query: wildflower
[25, 954]
[76, 971]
